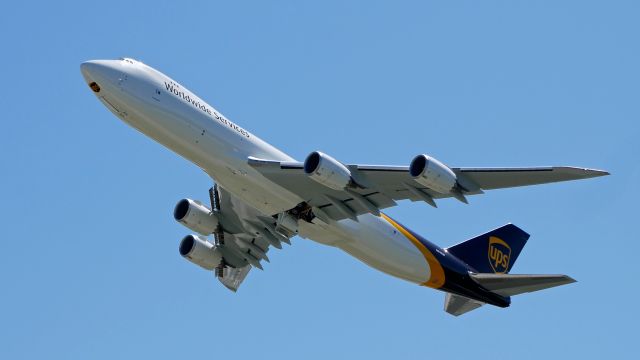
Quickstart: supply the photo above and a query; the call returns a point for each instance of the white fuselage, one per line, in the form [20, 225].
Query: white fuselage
[170, 114]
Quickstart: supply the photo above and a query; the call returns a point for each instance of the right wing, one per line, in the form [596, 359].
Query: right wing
[381, 186]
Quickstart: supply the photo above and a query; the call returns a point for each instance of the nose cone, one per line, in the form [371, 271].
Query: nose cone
[102, 72]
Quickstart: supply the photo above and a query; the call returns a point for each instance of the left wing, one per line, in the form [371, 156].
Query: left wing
[244, 238]
[376, 187]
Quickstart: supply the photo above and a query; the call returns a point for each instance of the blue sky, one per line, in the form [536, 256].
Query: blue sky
[90, 267]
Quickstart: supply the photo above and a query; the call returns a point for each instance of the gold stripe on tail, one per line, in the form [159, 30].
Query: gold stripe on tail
[437, 273]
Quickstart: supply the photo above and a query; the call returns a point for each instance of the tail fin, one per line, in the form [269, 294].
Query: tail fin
[493, 252]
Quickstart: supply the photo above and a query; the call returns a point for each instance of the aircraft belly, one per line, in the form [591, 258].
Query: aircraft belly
[269, 200]
[374, 242]
[214, 149]
[257, 179]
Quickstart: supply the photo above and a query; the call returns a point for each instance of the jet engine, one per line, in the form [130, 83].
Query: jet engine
[327, 171]
[433, 174]
[195, 216]
[200, 252]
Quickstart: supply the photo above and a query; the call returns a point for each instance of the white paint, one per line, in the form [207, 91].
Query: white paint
[140, 96]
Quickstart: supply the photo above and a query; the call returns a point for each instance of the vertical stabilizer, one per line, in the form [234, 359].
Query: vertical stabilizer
[493, 252]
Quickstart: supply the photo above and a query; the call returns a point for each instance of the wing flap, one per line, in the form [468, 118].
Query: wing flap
[233, 277]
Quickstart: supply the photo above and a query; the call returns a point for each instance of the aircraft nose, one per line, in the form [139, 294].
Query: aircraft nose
[100, 72]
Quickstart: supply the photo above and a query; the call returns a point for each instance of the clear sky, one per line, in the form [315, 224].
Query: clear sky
[89, 265]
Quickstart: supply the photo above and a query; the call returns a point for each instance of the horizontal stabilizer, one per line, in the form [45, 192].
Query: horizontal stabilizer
[457, 305]
[509, 284]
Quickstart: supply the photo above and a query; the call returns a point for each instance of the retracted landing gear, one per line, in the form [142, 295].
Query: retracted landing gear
[214, 199]
[220, 269]
[218, 234]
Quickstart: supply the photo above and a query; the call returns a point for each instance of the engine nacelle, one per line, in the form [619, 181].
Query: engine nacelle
[327, 171]
[195, 216]
[200, 252]
[432, 174]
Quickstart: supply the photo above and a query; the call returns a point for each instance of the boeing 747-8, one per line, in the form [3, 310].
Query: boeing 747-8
[262, 197]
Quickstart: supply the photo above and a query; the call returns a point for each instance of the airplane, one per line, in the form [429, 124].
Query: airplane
[262, 197]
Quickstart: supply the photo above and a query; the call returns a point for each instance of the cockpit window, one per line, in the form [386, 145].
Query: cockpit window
[129, 60]
[94, 86]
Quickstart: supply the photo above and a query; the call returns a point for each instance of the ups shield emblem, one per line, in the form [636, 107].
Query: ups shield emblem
[499, 255]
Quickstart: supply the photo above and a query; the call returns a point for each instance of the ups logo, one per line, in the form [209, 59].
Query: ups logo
[499, 255]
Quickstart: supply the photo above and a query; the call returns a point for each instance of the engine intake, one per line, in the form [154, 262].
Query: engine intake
[433, 174]
[197, 217]
[200, 252]
[327, 171]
